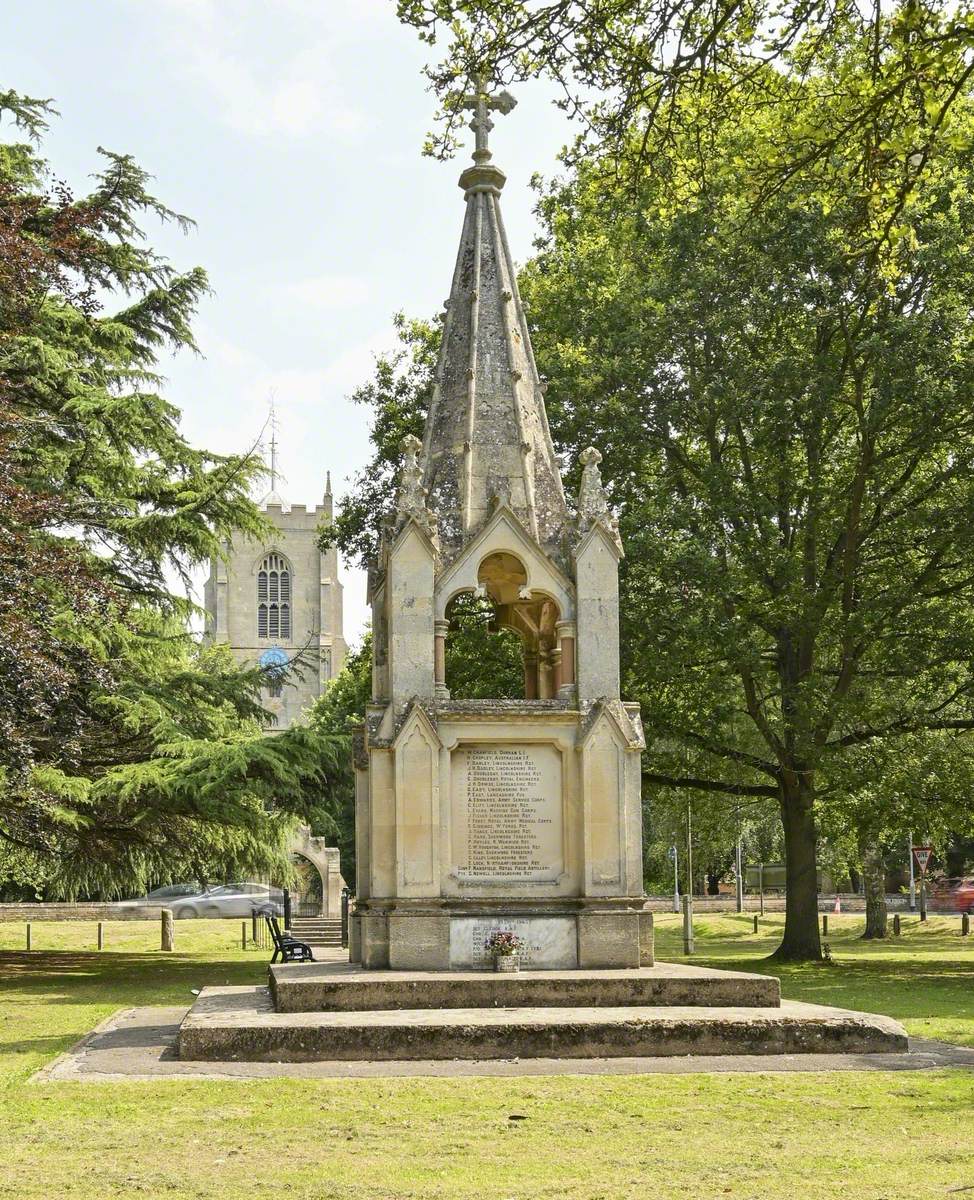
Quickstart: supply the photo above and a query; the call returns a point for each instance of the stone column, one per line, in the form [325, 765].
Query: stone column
[547, 685]
[555, 670]
[530, 675]
[565, 631]
[440, 630]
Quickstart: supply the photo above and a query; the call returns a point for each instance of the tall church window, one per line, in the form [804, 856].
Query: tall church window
[274, 597]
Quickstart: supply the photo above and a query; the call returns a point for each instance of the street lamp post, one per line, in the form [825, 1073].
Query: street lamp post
[674, 859]
[688, 897]
[740, 880]
[913, 881]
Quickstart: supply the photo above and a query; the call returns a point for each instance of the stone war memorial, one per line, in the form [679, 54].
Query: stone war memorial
[478, 815]
[523, 817]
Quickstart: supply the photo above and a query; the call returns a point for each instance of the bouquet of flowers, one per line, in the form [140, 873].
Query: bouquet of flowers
[503, 942]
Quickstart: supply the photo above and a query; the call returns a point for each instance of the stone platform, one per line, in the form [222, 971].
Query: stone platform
[664, 1011]
[347, 987]
[140, 1044]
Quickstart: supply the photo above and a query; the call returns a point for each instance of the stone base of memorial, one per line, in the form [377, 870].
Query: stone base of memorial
[557, 936]
[494, 815]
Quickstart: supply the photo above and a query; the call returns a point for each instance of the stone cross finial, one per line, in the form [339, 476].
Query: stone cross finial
[593, 503]
[482, 104]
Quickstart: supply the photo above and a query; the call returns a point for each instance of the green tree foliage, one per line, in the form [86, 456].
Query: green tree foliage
[483, 660]
[333, 718]
[625, 66]
[786, 420]
[127, 754]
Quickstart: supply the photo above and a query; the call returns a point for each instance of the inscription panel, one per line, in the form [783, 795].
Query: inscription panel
[549, 943]
[507, 815]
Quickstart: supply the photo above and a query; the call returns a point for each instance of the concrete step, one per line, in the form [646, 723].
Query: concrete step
[239, 1023]
[345, 987]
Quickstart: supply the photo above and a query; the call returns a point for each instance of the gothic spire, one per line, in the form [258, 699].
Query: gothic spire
[487, 440]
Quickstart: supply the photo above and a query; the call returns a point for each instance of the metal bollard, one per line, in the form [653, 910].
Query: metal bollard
[346, 896]
[965, 925]
[825, 924]
[687, 925]
[896, 924]
[168, 933]
[755, 922]
[243, 935]
[101, 935]
[28, 935]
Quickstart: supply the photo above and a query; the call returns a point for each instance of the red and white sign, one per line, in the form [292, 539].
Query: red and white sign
[922, 855]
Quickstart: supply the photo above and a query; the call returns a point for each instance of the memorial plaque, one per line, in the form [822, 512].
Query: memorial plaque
[507, 815]
[549, 943]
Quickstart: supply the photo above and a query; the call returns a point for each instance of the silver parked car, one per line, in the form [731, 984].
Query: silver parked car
[167, 895]
[231, 900]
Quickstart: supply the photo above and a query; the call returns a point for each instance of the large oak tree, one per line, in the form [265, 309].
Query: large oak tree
[787, 422]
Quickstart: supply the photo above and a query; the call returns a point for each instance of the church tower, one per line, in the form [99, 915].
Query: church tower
[275, 599]
[476, 816]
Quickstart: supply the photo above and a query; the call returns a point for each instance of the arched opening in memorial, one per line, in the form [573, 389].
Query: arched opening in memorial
[503, 640]
[483, 660]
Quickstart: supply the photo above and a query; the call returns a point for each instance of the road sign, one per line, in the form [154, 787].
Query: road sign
[922, 855]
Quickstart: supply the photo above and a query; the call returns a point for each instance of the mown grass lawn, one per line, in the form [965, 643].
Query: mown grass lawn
[816, 1136]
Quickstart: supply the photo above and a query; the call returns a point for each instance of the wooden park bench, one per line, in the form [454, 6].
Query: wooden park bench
[288, 948]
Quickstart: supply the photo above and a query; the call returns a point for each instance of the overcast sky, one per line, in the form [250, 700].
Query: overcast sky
[291, 132]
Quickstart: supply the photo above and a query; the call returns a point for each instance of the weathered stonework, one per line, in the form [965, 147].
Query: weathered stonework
[523, 814]
[326, 860]
[230, 598]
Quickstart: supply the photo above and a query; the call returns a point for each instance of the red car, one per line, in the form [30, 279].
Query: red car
[962, 896]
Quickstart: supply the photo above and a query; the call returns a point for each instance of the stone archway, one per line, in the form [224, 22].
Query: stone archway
[327, 862]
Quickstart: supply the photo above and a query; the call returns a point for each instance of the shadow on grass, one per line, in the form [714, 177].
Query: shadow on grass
[85, 977]
[48, 1046]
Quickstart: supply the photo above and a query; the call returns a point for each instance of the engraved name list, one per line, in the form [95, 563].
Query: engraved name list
[510, 823]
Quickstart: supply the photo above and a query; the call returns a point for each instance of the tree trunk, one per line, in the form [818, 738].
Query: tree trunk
[713, 882]
[854, 881]
[874, 877]
[801, 940]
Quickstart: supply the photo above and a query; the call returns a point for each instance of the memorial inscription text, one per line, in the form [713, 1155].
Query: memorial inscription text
[507, 813]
